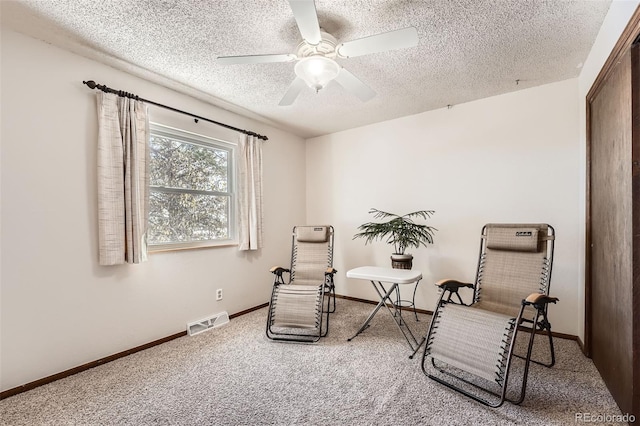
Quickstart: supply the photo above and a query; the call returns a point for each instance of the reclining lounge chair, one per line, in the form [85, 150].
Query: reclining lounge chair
[470, 347]
[299, 308]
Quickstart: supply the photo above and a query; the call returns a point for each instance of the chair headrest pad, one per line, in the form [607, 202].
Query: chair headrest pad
[513, 238]
[312, 234]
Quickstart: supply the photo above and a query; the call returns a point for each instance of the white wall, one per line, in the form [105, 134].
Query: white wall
[60, 309]
[509, 158]
[615, 22]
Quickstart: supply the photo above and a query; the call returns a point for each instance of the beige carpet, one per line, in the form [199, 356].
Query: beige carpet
[233, 375]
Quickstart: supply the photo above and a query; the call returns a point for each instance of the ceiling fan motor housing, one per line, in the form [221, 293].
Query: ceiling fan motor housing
[326, 47]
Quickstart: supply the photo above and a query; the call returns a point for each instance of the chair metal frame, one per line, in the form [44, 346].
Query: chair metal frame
[326, 289]
[538, 322]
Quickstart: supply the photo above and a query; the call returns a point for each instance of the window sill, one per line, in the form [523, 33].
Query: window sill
[163, 248]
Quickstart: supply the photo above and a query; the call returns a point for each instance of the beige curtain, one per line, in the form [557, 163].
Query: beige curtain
[250, 192]
[123, 179]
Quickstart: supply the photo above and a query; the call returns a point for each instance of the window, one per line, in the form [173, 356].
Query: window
[192, 190]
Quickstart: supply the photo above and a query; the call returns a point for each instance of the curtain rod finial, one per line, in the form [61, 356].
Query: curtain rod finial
[92, 84]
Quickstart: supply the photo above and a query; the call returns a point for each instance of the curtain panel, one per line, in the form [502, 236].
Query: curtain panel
[250, 193]
[123, 179]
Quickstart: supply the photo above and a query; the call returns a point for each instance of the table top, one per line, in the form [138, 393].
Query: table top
[388, 275]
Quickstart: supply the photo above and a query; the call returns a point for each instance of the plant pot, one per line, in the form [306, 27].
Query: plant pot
[401, 261]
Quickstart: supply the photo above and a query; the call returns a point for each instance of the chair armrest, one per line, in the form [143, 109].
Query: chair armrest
[330, 271]
[328, 278]
[278, 270]
[539, 300]
[452, 285]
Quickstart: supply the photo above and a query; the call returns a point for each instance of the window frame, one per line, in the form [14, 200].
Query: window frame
[197, 139]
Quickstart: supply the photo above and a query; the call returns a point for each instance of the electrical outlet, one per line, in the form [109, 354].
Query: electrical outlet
[219, 294]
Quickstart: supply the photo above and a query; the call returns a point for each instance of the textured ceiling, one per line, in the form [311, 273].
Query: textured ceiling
[467, 50]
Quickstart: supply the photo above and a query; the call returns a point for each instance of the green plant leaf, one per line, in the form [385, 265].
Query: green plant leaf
[400, 231]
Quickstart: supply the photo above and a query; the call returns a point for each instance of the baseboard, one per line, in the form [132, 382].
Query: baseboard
[32, 385]
[246, 311]
[563, 336]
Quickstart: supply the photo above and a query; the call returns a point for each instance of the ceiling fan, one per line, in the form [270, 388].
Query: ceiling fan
[316, 54]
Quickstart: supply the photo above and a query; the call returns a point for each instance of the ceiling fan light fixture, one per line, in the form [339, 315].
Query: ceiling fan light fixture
[317, 71]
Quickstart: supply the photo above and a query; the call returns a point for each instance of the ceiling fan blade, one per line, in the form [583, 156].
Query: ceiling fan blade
[255, 59]
[292, 92]
[304, 11]
[354, 85]
[398, 39]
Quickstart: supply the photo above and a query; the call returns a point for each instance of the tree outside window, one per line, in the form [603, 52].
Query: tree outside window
[192, 199]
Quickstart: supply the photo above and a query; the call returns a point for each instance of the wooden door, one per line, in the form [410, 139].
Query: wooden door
[612, 336]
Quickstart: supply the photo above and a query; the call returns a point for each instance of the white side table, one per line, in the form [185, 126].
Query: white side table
[379, 277]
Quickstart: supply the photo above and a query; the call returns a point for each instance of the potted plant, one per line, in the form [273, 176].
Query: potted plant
[401, 231]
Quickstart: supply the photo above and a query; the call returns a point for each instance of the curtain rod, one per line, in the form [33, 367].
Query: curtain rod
[93, 85]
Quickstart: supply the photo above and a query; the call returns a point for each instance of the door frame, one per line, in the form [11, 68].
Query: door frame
[624, 43]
